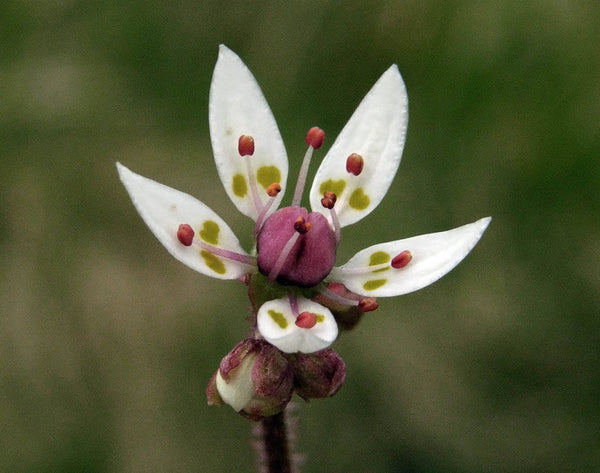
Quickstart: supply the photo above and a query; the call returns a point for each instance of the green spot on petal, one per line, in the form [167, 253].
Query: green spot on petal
[359, 200]
[239, 186]
[320, 318]
[337, 187]
[267, 175]
[213, 262]
[379, 257]
[278, 318]
[374, 284]
[210, 232]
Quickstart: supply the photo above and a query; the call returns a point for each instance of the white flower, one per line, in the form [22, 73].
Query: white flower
[294, 247]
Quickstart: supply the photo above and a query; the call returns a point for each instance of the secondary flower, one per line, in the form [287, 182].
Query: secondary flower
[295, 288]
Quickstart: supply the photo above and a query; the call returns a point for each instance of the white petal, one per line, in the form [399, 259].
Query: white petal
[239, 391]
[433, 255]
[376, 131]
[164, 209]
[276, 323]
[237, 107]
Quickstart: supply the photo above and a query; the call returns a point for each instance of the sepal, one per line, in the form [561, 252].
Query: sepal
[317, 375]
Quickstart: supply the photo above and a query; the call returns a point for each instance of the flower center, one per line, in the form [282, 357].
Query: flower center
[296, 247]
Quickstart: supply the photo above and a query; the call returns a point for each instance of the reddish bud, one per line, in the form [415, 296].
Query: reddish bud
[368, 304]
[315, 137]
[246, 145]
[354, 164]
[273, 189]
[402, 259]
[185, 234]
[317, 375]
[306, 320]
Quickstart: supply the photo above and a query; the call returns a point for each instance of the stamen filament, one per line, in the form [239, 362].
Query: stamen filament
[230, 255]
[363, 269]
[302, 177]
[337, 298]
[293, 304]
[336, 224]
[262, 216]
[258, 205]
[281, 259]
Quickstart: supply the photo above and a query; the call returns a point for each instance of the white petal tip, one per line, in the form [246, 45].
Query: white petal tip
[238, 107]
[431, 257]
[482, 223]
[376, 131]
[164, 209]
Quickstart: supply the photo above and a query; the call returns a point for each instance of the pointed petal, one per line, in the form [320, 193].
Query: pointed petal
[164, 209]
[433, 255]
[276, 323]
[237, 107]
[376, 131]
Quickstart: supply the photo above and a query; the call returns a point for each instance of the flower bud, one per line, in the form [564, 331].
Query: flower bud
[254, 378]
[317, 375]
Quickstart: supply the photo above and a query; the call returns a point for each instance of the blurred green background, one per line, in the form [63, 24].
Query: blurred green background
[107, 343]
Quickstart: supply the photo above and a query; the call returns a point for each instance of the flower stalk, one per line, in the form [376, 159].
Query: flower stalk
[275, 453]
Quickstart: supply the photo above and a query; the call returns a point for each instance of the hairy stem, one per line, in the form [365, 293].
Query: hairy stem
[275, 444]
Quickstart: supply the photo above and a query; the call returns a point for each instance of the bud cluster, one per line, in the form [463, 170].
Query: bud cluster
[258, 380]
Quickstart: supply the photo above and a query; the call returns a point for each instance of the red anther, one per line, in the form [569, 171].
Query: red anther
[246, 145]
[401, 259]
[302, 226]
[354, 164]
[328, 200]
[273, 189]
[315, 137]
[331, 196]
[185, 234]
[306, 320]
[327, 203]
[368, 304]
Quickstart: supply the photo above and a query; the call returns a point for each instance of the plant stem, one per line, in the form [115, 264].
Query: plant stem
[275, 444]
